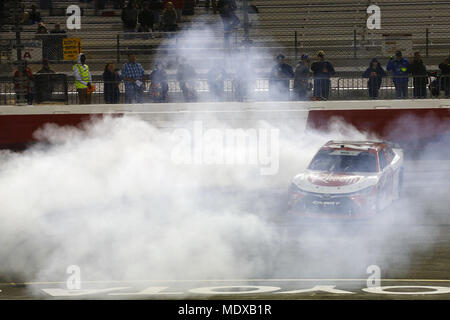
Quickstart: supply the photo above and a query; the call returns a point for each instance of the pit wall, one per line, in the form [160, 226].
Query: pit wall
[409, 122]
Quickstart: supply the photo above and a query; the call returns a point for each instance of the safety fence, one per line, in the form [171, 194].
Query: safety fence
[148, 46]
[55, 88]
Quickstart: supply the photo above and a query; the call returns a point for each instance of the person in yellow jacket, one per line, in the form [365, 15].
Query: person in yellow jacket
[83, 79]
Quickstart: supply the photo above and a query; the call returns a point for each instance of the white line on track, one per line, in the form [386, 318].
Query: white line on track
[227, 280]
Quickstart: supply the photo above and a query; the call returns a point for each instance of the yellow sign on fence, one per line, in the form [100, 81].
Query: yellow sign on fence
[71, 48]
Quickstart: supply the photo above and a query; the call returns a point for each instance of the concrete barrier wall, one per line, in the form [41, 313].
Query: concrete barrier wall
[420, 119]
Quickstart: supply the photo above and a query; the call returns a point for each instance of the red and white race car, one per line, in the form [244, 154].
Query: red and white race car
[348, 179]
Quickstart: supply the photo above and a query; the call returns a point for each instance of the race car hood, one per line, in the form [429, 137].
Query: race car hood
[331, 182]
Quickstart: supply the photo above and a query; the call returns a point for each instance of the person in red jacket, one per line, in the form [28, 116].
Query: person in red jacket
[23, 83]
[178, 5]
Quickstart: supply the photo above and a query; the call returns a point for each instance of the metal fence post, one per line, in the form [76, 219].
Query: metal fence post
[118, 48]
[338, 88]
[427, 41]
[246, 23]
[22, 79]
[354, 44]
[295, 45]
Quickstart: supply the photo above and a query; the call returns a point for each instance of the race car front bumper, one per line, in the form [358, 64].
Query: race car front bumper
[342, 206]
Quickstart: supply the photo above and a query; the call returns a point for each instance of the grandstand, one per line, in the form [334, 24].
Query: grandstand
[290, 26]
[320, 25]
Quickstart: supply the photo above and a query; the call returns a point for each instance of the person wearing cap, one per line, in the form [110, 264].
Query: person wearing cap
[83, 79]
[133, 75]
[322, 71]
[399, 68]
[280, 75]
[301, 78]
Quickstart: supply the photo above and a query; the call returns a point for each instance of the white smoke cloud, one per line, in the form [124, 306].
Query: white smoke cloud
[109, 199]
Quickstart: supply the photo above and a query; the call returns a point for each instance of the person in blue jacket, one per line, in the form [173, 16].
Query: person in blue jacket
[375, 73]
[399, 67]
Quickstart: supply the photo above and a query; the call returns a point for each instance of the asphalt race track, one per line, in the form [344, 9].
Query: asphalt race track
[414, 260]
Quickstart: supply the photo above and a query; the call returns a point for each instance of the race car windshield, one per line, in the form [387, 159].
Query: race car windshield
[333, 160]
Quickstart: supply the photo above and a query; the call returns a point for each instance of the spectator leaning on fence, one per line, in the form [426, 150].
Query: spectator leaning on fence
[322, 70]
[111, 80]
[133, 75]
[445, 76]
[399, 67]
[83, 80]
[420, 76]
[375, 73]
[23, 83]
[279, 78]
[301, 78]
